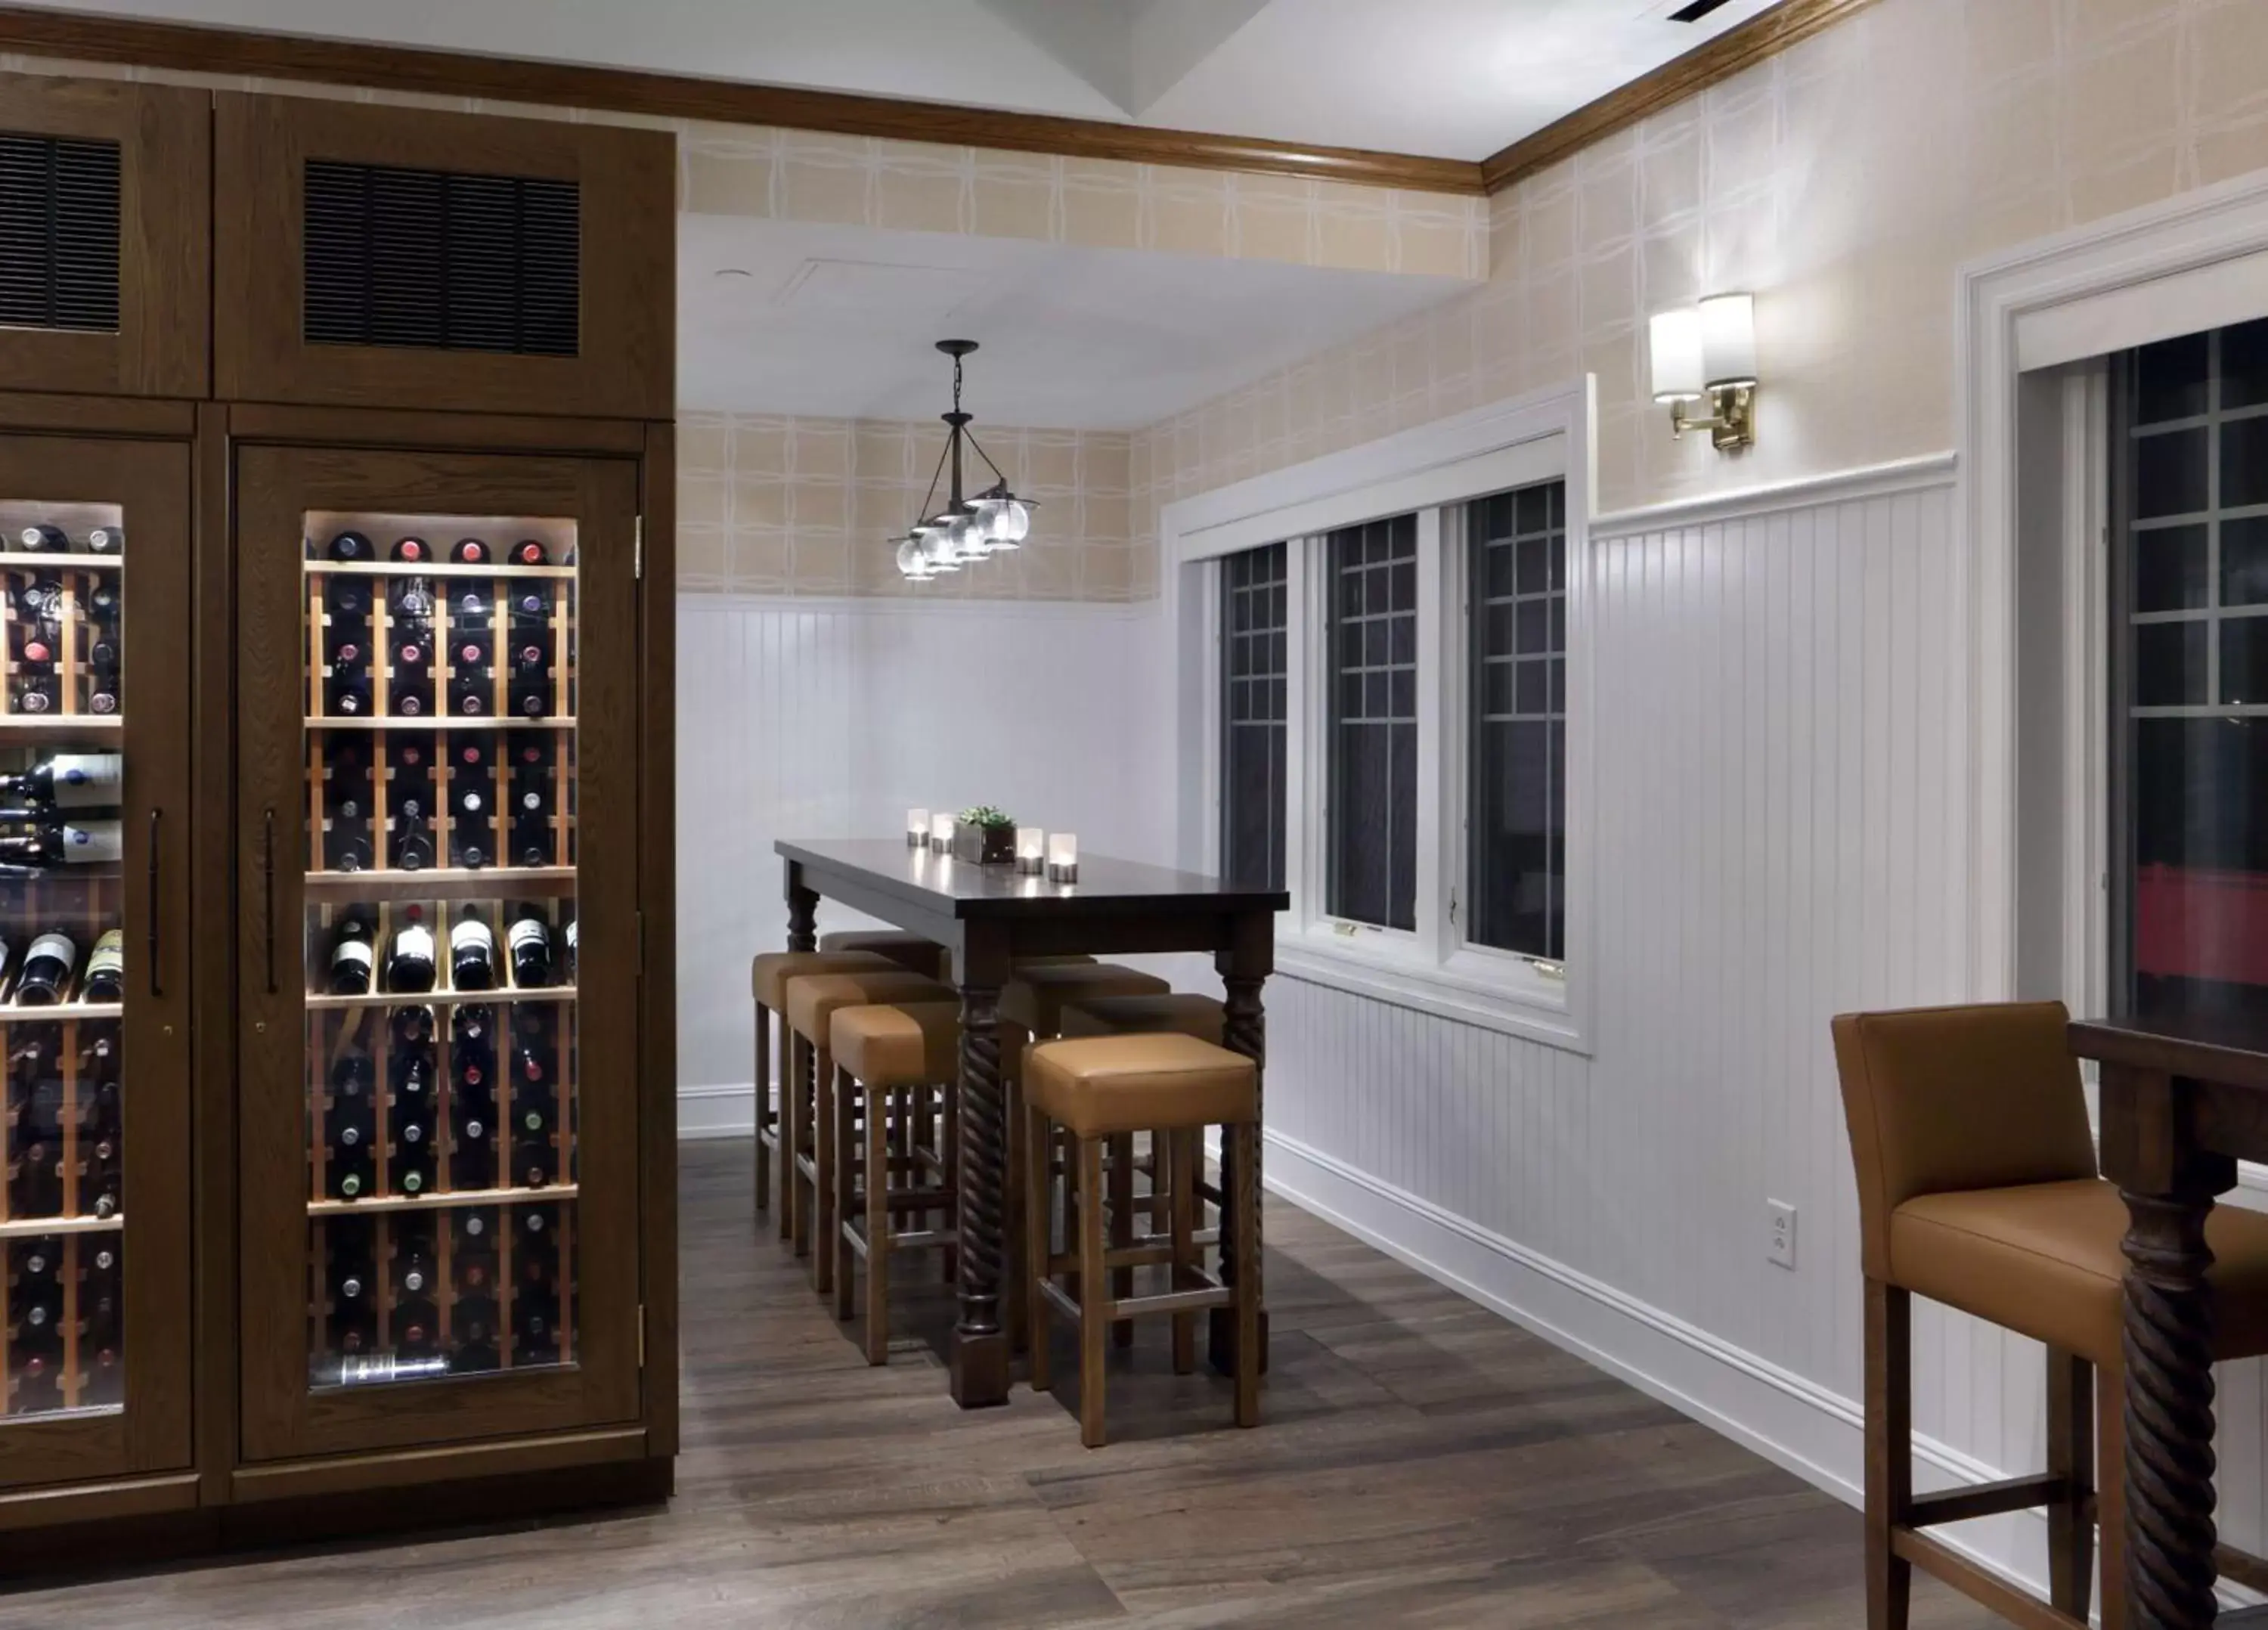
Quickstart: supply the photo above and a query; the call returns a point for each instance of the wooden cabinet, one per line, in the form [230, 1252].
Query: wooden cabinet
[108, 189]
[378, 256]
[286, 1251]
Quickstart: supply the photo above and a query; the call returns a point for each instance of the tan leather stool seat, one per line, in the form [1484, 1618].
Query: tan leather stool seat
[771, 971]
[2045, 1260]
[1036, 998]
[813, 1000]
[1181, 1011]
[1102, 1085]
[913, 1044]
[907, 950]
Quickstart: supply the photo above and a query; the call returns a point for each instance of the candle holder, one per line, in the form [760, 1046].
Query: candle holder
[940, 834]
[1062, 857]
[917, 829]
[1031, 851]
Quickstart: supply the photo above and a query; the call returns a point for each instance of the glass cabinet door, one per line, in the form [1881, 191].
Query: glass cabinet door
[93, 763]
[452, 1222]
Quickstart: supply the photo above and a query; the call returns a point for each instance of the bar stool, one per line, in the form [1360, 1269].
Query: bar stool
[1102, 1089]
[813, 1000]
[907, 950]
[766, 974]
[889, 1061]
[1977, 1188]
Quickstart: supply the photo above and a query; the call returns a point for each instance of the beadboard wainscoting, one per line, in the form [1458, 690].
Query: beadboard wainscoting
[804, 718]
[1781, 764]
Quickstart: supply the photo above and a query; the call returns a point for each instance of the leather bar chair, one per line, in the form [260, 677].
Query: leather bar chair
[1978, 1188]
[813, 1000]
[768, 977]
[907, 950]
[890, 1063]
[1100, 1089]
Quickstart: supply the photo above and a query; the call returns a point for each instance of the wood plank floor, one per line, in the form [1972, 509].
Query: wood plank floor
[1422, 1463]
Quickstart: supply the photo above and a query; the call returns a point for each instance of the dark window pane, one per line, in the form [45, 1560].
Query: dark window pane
[1530, 692]
[1535, 566]
[1533, 511]
[2243, 462]
[1499, 574]
[1405, 586]
[1372, 805]
[1496, 689]
[2169, 474]
[2172, 379]
[2169, 569]
[2244, 364]
[1252, 732]
[2243, 562]
[2244, 660]
[2169, 664]
[1535, 624]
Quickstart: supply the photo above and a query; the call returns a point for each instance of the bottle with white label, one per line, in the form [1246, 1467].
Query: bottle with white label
[106, 968]
[409, 964]
[530, 943]
[352, 959]
[70, 781]
[472, 954]
[45, 840]
[46, 971]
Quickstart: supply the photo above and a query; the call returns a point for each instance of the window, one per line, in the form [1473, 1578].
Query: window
[1516, 838]
[2189, 759]
[1372, 747]
[1380, 677]
[1253, 625]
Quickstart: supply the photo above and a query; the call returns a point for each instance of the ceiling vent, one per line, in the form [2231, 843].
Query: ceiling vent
[58, 234]
[442, 261]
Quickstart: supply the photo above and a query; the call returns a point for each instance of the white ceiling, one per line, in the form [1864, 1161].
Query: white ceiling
[840, 320]
[1450, 78]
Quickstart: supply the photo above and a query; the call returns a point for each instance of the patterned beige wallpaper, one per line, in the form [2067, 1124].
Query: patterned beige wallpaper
[1844, 182]
[803, 506]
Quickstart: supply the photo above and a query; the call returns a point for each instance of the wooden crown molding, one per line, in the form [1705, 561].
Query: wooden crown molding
[1763, 35]
[197, 49]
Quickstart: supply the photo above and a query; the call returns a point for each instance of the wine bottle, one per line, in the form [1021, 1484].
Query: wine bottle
[45, 840]
[411, 693]
[409, 964]
[472, 824]
[351, 1277]
[530, 552]
[529, 688]
[70, 781]
[106, 968]
[350, 546]
[104, 1182]
[470, 552]
[47, 973]
[571, 947]
[472, 954]
[103, 649]
[352, 957]
[43, 540]
[528, 608]
[106, 541]
[530, 940]
[413, 1154]
[412, 550]
[411, 775]
[413, 1268]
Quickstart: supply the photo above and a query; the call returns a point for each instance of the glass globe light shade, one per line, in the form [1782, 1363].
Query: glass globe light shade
[966, 540]
[1014, 524]
[911, 559]
[936, 548]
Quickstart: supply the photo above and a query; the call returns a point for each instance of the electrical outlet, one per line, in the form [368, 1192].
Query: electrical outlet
[1781, 1247]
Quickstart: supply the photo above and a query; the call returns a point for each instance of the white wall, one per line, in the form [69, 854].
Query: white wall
[829, 719]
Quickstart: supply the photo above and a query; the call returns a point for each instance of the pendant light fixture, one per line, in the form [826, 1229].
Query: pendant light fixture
[965, 529]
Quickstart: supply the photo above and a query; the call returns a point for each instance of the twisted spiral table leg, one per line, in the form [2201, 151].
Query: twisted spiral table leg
[980, 1363]
[2169, 1424]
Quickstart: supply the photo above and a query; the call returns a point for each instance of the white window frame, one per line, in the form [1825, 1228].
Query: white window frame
[1432, 471]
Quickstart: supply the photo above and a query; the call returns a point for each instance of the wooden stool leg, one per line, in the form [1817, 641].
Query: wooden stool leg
[1247, 1138]
[878, 1225]
[2111, 1494]
[1177, 1165]
[797, 1141]
[1889, 1452]
[2071, 1455]
[767, 1118]
[847, 1174]
[1039, 1243]
[1093, 1293]
[822, 1179]
[1122, 1231]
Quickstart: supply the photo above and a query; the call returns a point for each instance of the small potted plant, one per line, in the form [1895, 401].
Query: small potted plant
[985, 836]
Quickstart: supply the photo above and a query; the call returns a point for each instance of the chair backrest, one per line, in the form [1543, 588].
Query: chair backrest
[1944, 1099]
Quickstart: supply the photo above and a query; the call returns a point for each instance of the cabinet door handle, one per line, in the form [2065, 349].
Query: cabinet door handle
[156, 902]
[268, 876]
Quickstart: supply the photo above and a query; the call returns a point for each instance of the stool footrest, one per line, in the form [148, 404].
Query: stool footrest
[2013, 1493]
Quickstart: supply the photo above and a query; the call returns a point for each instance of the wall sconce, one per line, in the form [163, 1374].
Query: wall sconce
[1709, 352]
[916, 828]
[1030, 850]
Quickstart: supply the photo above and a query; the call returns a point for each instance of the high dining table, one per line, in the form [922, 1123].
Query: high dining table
[2183, 1101]
[989, 916]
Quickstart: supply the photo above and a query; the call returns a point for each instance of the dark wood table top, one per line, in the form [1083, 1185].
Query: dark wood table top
[2227, 1048]
[935, 883]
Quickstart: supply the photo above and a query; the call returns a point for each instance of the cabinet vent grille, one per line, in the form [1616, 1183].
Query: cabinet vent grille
[58, 232]
[442, 261]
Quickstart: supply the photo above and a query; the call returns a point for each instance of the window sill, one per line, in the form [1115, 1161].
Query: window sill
[1384, 975]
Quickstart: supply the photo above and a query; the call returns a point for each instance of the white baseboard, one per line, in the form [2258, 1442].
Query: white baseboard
[1806, 1428]
[718, 1109]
